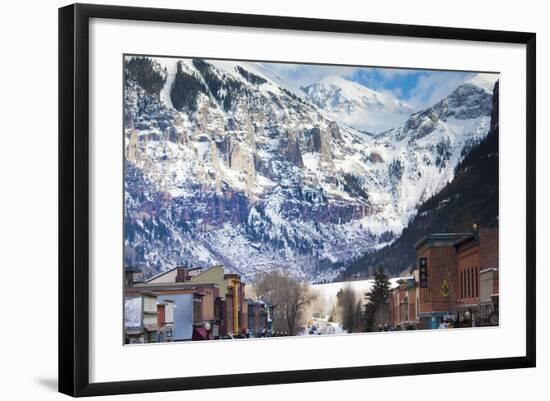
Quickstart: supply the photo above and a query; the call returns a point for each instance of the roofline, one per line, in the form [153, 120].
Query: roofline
[171, 270]
[473, 234]
[152, 293]
[176, 286]
[435, 236]
[156, 291]
[161, 274]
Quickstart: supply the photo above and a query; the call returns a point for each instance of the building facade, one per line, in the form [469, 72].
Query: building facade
[454, 284]
[403, 303]
[477, 255]
[259, 318]
[209, 303]
[140, 317]
[165, 320]
[438, 286]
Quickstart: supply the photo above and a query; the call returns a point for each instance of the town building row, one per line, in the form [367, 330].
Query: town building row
[455, 283]
[184, 304]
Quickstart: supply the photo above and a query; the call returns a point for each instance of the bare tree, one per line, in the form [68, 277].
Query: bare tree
[349, 308]
[288, 294]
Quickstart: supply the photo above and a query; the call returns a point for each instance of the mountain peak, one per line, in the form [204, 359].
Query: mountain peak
[355, 104]
[348, 87]
[344, 83]
[483, 81]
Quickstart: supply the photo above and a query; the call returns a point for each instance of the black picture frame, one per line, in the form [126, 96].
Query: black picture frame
[74, 198]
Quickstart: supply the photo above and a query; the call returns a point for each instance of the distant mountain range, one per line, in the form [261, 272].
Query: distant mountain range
[228, 163]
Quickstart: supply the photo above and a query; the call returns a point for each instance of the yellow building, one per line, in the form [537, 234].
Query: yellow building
[232, 291]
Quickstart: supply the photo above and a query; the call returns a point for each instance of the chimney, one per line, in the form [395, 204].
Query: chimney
[181, 274]
[132, 275]
[129, 278]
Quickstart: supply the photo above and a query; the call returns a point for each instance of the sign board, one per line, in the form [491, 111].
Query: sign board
[423, 272]
[445, 290]
[215, 330]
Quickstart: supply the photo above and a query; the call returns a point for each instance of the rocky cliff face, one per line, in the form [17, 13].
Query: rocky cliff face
[226, 164]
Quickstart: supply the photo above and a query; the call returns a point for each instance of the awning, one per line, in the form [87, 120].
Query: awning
[150, 327]
[199, 333]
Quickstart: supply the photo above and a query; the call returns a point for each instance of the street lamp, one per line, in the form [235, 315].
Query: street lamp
[469, 316]
[207, 327]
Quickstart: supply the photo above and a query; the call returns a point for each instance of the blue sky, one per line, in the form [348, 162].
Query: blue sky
[419, 88]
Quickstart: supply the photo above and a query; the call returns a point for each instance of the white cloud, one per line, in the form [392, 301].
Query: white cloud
[307, 74]
[389, 73]
[434, 86]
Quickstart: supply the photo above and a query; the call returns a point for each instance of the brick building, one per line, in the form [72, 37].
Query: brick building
[438, 278]
[477, 257]
[403, 304]
[259, 318]
[456, 281]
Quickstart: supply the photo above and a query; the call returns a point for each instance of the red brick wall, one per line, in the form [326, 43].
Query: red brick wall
[412, 304]
[488, 243]
[468, 270]
[442, 265]
[394, 306]
[398, 311]
[229, 314]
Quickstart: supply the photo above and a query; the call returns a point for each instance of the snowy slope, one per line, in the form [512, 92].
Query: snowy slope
[247, 173]
[329, 291]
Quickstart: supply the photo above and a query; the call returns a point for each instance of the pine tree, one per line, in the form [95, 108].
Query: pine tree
[147, 73]
[185, 90]
[377, 298]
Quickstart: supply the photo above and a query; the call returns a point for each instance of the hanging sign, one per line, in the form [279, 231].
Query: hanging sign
[423, 272]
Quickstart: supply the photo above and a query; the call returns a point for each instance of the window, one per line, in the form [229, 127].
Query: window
[462, 283]
[197, 311]
[477, 282]
[465, 284]
[469, 283]
[218, 309]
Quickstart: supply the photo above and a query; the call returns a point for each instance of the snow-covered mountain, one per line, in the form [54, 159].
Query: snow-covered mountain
[226, 164]
[357, 105]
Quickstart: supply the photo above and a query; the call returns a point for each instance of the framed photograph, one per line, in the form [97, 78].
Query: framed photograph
[251, 199]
